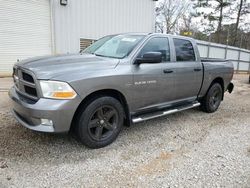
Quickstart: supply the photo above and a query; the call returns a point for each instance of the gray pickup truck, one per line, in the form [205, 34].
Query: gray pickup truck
[120, 79]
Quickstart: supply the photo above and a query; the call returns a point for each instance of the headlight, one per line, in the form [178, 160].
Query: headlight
[57, 90]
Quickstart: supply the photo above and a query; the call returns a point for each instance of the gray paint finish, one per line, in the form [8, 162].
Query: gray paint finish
[144, 86]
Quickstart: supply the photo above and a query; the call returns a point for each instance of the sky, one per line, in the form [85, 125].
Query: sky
[201, 24]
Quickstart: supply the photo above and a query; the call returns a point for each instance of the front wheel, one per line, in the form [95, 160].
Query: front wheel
[100, 122]
[211, 102]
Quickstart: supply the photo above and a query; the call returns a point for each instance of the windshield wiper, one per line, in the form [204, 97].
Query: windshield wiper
[103, 55]
[86, 52]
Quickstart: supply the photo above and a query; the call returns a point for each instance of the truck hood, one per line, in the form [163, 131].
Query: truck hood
[48, 67]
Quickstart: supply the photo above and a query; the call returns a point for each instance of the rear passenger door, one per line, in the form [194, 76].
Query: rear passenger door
[188, 71]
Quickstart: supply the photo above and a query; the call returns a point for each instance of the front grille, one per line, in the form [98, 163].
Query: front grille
[27, 77]
[30, 90]
[25, 84]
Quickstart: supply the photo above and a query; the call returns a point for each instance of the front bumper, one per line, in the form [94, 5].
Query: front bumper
[60, 112]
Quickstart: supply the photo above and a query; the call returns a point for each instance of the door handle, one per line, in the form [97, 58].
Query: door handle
[167, 71]
[197, 69]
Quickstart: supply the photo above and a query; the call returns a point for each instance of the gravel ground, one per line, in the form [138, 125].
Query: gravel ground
[188, 149]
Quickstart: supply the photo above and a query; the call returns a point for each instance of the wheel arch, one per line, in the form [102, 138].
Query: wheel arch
[100, 93]
[220, 81]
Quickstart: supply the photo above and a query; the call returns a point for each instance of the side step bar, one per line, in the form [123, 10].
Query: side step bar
[164, 113]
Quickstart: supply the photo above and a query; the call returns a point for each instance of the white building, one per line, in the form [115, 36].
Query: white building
[43, 27]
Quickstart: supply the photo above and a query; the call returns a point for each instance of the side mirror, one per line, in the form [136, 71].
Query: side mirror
[150, 57]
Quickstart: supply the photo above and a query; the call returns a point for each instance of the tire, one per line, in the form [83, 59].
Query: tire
[211, 102]
[100, 122]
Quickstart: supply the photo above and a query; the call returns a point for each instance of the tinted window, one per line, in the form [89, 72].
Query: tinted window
[157, 45]
[184, 50]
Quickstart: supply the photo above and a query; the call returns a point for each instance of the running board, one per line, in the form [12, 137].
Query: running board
[164, 113]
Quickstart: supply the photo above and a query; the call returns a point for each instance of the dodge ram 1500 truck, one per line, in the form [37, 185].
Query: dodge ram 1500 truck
[120, 79]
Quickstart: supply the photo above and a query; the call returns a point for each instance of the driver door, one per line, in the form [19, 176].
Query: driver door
[153, 84]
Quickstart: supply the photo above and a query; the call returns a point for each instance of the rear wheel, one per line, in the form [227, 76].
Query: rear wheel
[211, 102]
[100, 122]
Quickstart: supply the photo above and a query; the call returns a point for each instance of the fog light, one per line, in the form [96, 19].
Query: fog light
[47, 122]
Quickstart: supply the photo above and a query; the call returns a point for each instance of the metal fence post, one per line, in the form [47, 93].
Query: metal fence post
[208, 50]
[249, 65]
[225, 57]
[238, 65]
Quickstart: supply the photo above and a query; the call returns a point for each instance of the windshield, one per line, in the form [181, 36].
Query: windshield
[118, 46]
[92, 48]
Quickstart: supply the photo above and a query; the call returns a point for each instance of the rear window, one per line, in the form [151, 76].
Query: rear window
[184, 50]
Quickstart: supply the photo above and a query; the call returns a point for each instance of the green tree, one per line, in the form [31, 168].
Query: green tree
[243, 9]
[216, 14]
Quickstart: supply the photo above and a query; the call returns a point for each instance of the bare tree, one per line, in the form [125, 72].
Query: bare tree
[170, 11]
[159, 27]
[187, 26]
[187, 20]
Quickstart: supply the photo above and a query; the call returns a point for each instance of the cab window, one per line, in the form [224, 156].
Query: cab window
[159, 44]
[184, 50]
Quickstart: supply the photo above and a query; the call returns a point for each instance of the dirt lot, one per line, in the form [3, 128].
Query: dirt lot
[188, 149]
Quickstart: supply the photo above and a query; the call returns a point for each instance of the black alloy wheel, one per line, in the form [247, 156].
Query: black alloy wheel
[211, 102]
[215, 98]
[99, 122]
[103, 122]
